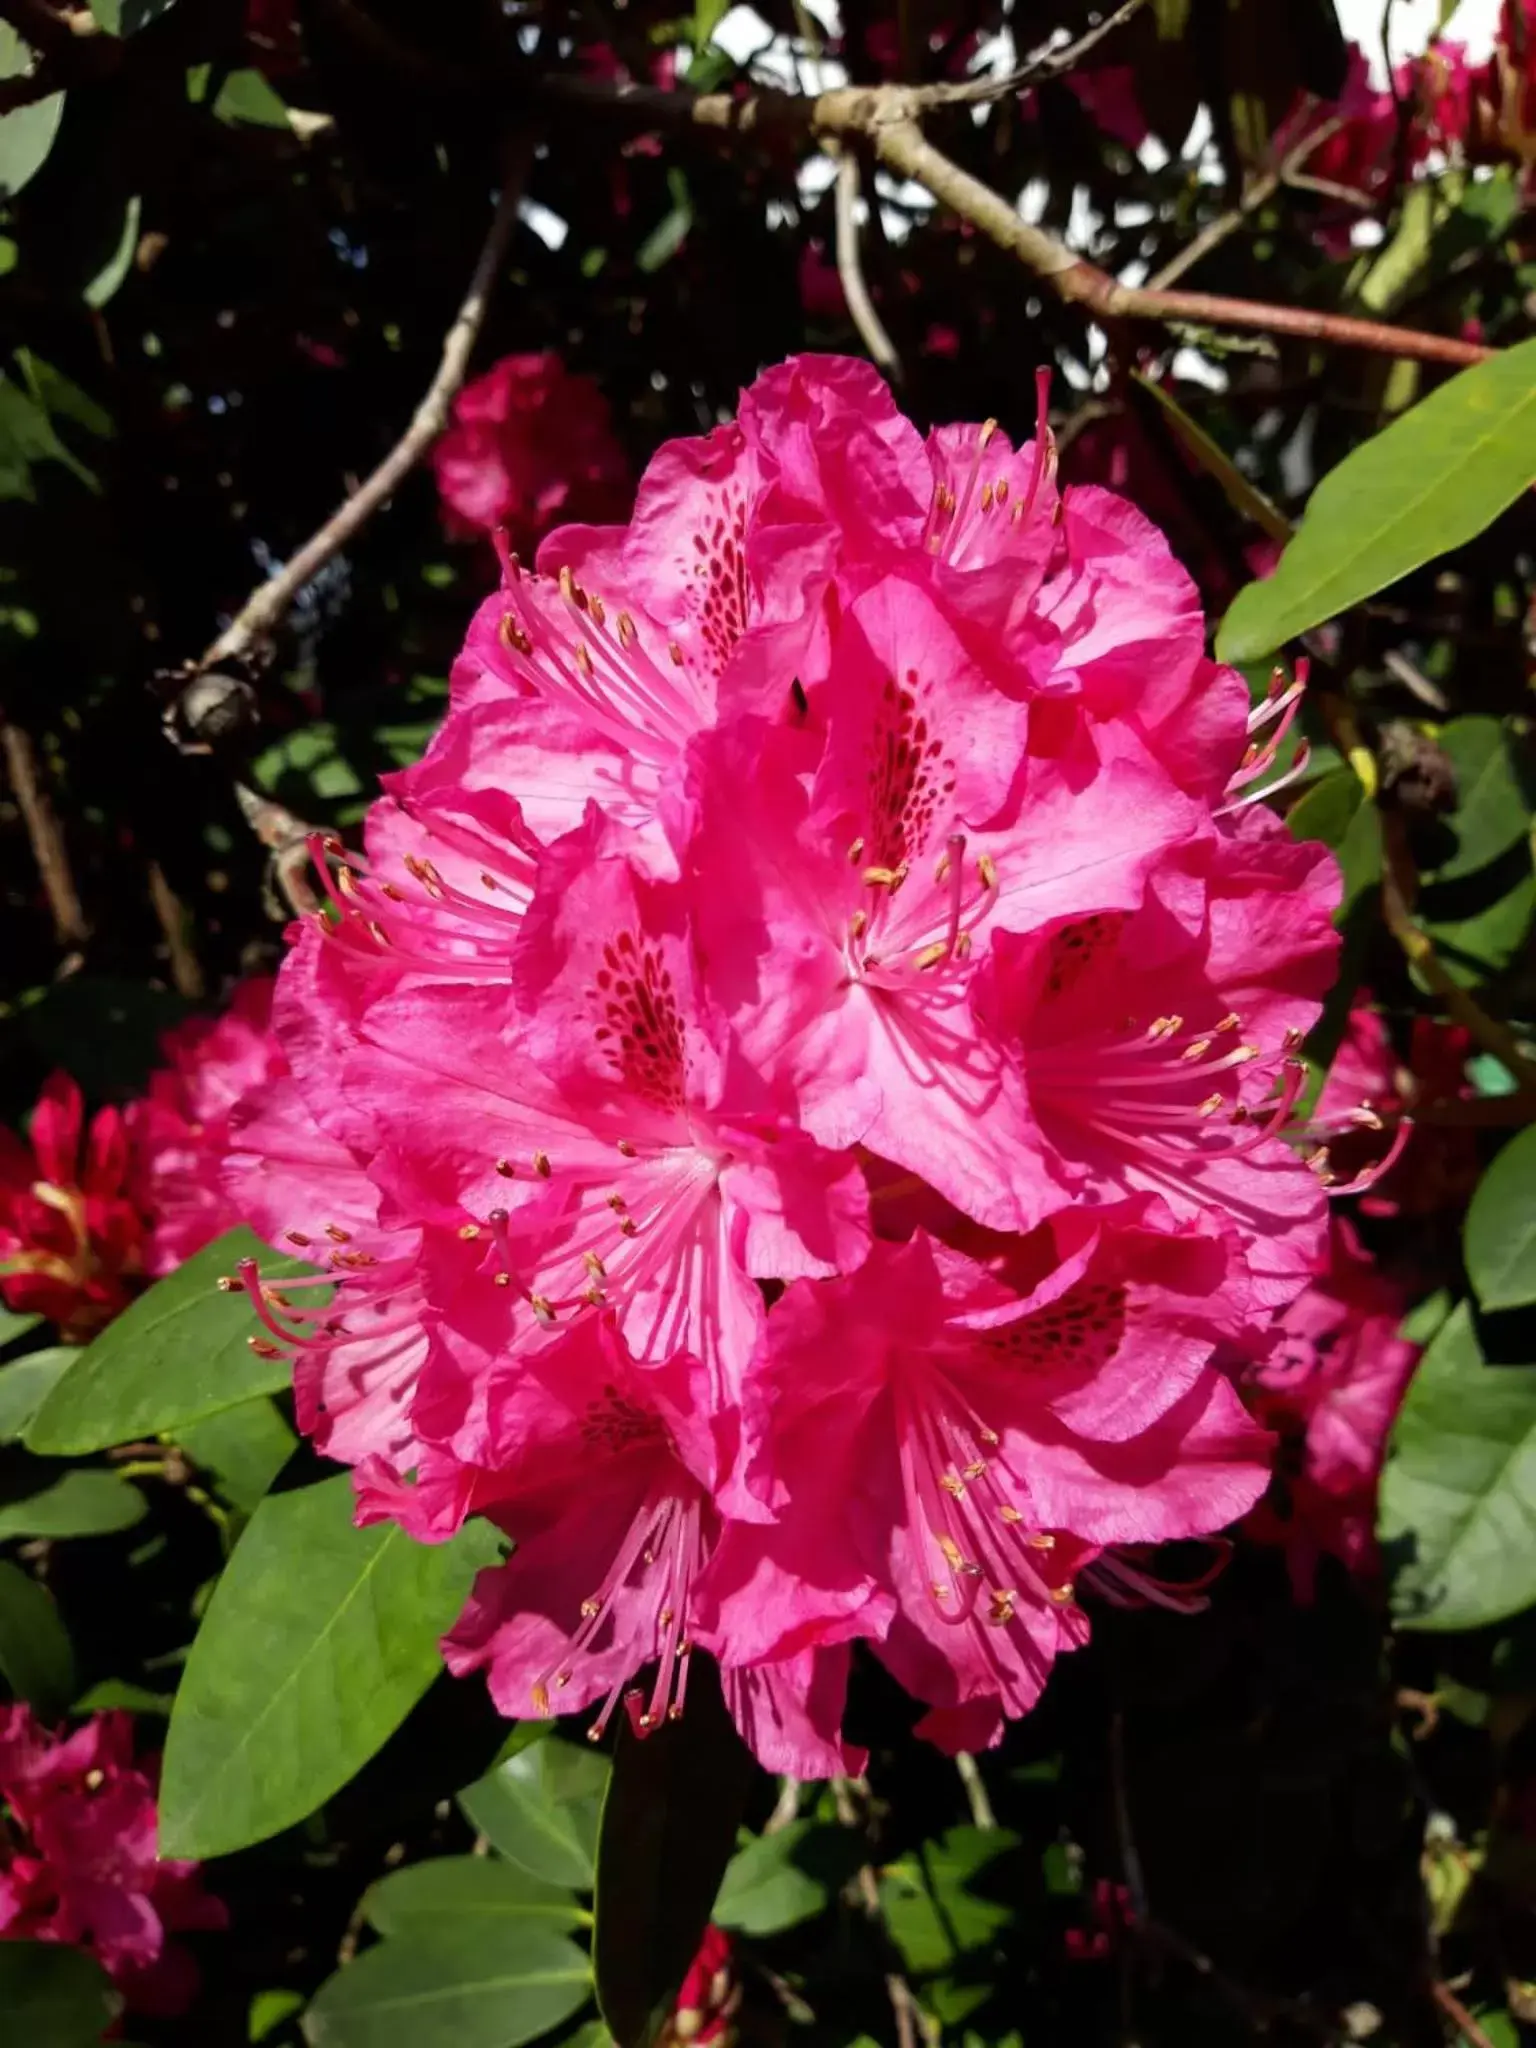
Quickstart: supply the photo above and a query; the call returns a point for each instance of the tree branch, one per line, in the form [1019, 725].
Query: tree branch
[1046, 64]
[45, 835]
[267, 604]
[850, 270]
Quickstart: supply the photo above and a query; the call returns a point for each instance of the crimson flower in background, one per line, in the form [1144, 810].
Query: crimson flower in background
[529, 444]
[795, 1094]
[1331, 1387]
[709, 1997]
[78, 1862]
[71, 1239]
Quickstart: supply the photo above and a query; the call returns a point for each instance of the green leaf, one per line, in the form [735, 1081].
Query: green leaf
[1431, 481]
[14, 1327]
[177, 1354]
[459, 1990]
[27, 435]
[26, 133]
[1501, 1228]
[1491, 812]
[671, 231]
[117, 1692]
[36, 1660]
[669, 1824]
[1244, 496]
[247, 97]
[268, 2011]
[76, 1504]
[541, 1809]
[24, 1384]
[318, 1641]
[1337, 811]
[105, 284]
[127, 17]
[54, 1997]
[932, 1912]
[778, 1880]
[1459, 1486]
[243, 1449]
[464, 1891]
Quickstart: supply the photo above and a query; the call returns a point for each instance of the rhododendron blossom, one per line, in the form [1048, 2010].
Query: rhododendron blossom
[78, 1862]
[795, 1096]
[529, 443]
[71, 1239]
[1331, 1386]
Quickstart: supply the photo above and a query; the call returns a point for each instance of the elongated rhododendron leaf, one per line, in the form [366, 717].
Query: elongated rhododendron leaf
[1501, 1228]
[36, 1658]
[317, 1643]
[541, 1808]
[1457, 1491]
[461, 1989]
[669, 1824]
[180, 1353]
[52, 1996]
[1432, 481]
[462, 1891]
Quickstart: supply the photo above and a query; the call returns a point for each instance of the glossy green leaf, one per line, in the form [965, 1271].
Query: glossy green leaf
[74, 1504]
[459, 1990]
[1458, 1496]
[778, 1880]
[242, 1450]
[36, 1660]
[268, 2011]
[54, 1997]
[14, 1327]
[25, 1383]
[933, 1899]
[1433, 480]
[1337, 811]
[541, 1809]
[1500, 1238]
[1491, 811]
[177, 1354]
[463, 1891]
[319, 1639]
[117, 1692]
[669, 1824]
[26, 133]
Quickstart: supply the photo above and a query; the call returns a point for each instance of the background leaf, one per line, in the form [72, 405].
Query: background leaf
[1458, 1495]
[74, 1504]
[26, 133]
[778, 1880]
[1434, 479]
[36, 1660]
[52, 1996]
[466, 1891]
[1501, 1228]
[319, 1639]
[177, 1354]
[541, 1809]
[460, 1990]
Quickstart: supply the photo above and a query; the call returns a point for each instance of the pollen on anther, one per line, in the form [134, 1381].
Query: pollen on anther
[986, 867]
[228, 1284]
[1009, 1515]
[594, 1265]
[541, 1165]
[1062, 1596]
[469, 1231]
[676, 653]
[544, 1310]
[590, 1609]
[953, 1485]
[583, 658]
[540, 1699]
[505, 1168]
[262, 1348]
[930, 956]
[626, 1148]
[628, 1227]
[855, 853]
[503, 1279]
[337, 1235]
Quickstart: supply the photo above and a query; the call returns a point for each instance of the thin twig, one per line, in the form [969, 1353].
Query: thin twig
[1044, 65]
[45, 835]
[171, 912]
[975, 1790]
[1259, 193]
[1458, 2015]
[270, 601]
[850, 270]
[910, 2017]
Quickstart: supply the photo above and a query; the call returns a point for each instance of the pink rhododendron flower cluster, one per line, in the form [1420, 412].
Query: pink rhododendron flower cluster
[71, 1239]
[179, 1130]
[529, 443]
[78, 1861]
[1331, 1387]
[795, 1093]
